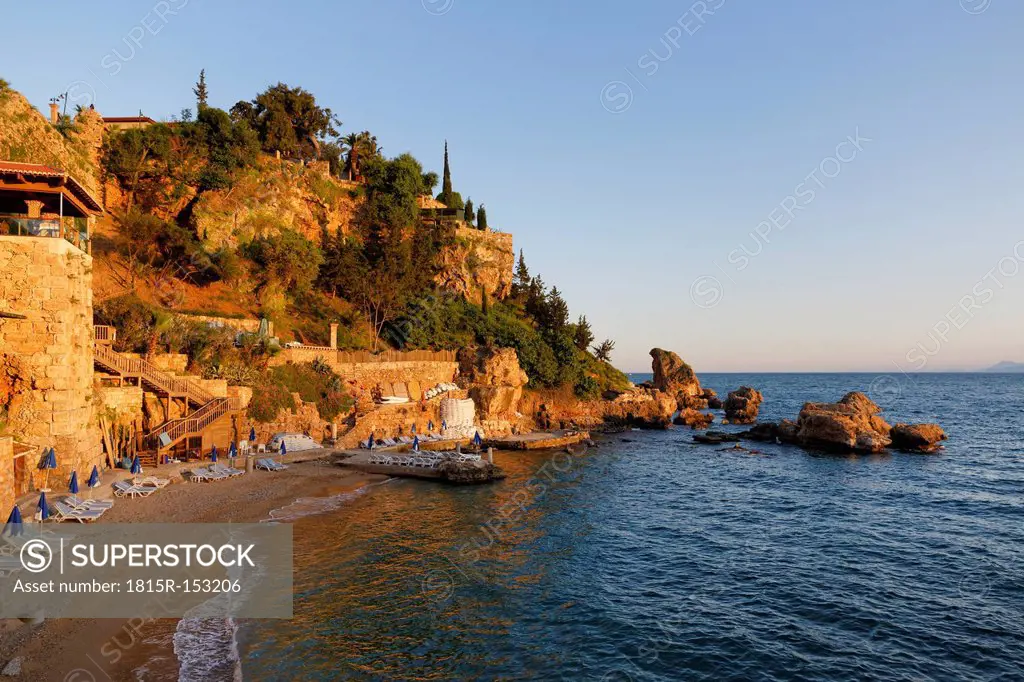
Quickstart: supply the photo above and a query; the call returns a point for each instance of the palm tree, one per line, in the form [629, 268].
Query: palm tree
[358, 146]
[603, 351]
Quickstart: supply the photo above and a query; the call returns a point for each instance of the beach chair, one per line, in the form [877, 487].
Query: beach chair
[200, 475]
[226, 470]
[62, 512]
[264, 464]
[75, 502]
[125, 489]
[153, 482]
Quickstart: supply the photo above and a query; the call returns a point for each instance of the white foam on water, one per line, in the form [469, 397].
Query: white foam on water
[207, 648]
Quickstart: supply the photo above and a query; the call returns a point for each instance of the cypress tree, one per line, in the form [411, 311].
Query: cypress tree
[481, 218]
[470, 215]
[446, 183]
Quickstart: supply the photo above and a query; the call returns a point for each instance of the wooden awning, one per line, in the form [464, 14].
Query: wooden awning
[25, 181]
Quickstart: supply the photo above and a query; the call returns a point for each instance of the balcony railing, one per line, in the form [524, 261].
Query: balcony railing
[20, 226]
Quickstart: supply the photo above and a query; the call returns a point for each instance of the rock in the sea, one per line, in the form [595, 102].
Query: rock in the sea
[643, 408]
[715, 438]
[742, 405]
[714, 402]
[695, 419]
[693, 402]
[852, 424]
[766, 432]
[470, 472]
[917, 437]
[672, 375]
[787, 431]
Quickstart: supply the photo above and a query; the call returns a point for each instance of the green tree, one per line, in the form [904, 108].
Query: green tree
[448, 196]
[603, 351]
[430, 180]
[132, 156]
[481, 218]
[583, 335]
[201, 92]
[470, 215]
[287, 261]
[358, 147]
[521, 280]
[230, 145]
[288, 120]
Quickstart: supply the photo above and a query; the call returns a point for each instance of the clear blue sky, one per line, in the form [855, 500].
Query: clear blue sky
[632, 213]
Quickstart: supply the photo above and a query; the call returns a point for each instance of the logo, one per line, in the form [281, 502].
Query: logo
[36, 556]
[616, 97]
[975, 6]
[438, 7]
[706, 291]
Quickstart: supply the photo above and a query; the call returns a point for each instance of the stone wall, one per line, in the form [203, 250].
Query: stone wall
[239, 324]
[6, 474]
[122, 403]
[46, 360]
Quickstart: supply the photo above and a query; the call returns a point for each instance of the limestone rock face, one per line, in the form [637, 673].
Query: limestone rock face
[673, 375]
[643, 407]
[478, 261]
[742, 405]
[917, 437]
[695, 419]
[693, 402]
[495, 382]
[852, 424]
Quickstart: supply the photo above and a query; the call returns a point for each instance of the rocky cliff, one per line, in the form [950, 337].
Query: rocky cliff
[27, 137]
[273, 196]
[479, 261]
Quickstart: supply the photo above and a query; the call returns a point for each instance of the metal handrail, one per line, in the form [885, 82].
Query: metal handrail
[195, 422]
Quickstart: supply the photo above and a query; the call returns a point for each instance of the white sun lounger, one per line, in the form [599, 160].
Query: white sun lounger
[63, 512]
[154, 482]
[126, 489]
[76, 502]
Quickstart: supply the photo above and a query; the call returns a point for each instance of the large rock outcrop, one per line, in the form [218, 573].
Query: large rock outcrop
[478, 262]
[742, 405]
[917, 437]
[852, 424]
[673, 376]
[643, 408]
[495, 382]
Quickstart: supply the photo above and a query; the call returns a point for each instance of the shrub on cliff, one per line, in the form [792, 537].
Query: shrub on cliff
[133, 318]
[314, 384]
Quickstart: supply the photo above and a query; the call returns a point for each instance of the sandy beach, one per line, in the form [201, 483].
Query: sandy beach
[78, 650]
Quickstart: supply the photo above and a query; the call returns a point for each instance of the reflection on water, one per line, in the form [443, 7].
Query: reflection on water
[651, 558]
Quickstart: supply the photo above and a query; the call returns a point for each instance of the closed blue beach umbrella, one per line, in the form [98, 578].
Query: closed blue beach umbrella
[14, 525]
[477, 440]
[444, 424]
[94, 478]
[232, 451]
[44, 509]
[416, 444]
[430, 426]
[51, 460]
[371, 441]
[136, 465]
[252, 434]
[284, 450]
[213, 454]
[413, 430]
[73, 486]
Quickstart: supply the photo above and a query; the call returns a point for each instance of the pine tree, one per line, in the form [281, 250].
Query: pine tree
[584, 335]
[470, 214]
[557, 311]
[521, 279]
[484, 303]
[481, 218]
[201, 91]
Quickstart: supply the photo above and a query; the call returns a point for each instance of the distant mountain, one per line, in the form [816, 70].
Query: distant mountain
[1006, 366]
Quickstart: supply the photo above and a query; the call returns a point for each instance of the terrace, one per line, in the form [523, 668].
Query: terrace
[39, 201]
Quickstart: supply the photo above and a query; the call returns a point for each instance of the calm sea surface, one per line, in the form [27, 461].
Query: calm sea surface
[651, 558]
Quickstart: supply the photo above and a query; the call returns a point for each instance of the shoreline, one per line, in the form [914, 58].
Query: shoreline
[109, 649]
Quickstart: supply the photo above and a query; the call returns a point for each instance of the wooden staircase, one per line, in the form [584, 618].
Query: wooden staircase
[210, 408]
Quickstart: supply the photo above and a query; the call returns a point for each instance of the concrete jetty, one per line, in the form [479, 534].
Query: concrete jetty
[539, 440]
[483, 471]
